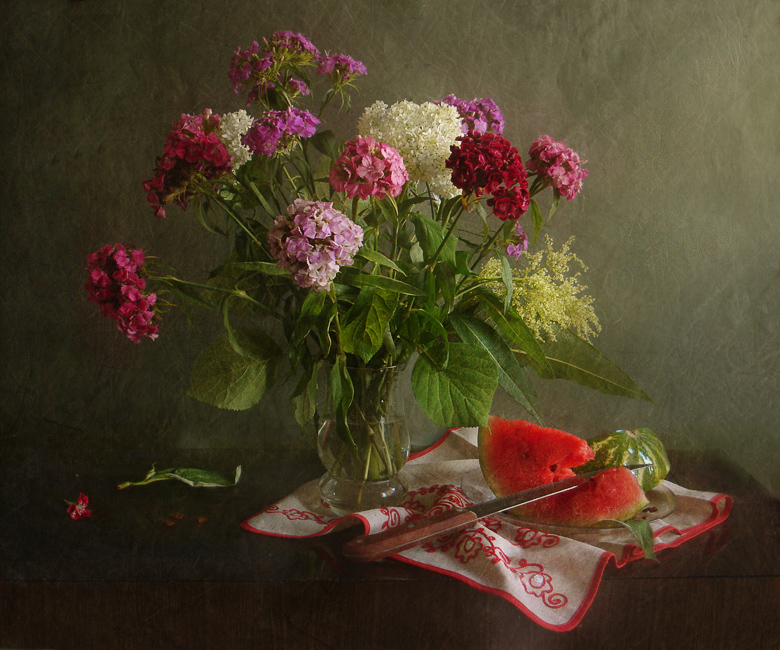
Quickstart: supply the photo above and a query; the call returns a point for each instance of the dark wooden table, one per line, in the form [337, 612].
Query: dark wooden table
[168, 566]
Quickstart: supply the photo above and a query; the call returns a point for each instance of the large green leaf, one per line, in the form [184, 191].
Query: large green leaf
[225, 379]
[512, 326]
[511, 375]
[364, 325]
[573, 358]
[461, 394]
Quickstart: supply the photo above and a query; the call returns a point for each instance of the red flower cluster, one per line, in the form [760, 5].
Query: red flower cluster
[115, 285]
[191, 148]
[79, 509]
[487, 163]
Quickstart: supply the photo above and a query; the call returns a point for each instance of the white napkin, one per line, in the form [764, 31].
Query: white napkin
[551, 578]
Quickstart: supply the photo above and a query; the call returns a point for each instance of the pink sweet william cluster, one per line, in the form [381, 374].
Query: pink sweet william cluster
[313, 241]
[192, 148]
[487, 163]
[478, 115]
[114, 283]
[262, 69]
[278, 130]
[557, 165]
[368, 168]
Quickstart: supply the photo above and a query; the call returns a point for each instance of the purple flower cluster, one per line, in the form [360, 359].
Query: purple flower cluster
[114, 283]
[557, 165]
[478, 115]
[278, 130]
[368, 168]
[517, 249]
[313, 241]
[259, 69]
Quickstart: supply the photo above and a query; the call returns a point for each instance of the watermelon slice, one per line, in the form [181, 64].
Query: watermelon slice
[517, 455]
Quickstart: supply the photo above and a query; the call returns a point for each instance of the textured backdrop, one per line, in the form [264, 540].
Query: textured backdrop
[675, 104]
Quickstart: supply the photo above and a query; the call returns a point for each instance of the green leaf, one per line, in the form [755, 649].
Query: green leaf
[512, 326]
[430, 236]
[266, 268]
[304, 397]
[363, 329]
[383, 282]
[509, 283]
[536, 219]
[225, 379]
[378, 258]
[190, 293]
[642, 532]
[188, 475]
[461, 394]
[326, 143]
[570, 357]
[511, 375]
[343, 392]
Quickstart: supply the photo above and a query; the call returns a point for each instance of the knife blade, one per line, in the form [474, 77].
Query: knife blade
[367, 548]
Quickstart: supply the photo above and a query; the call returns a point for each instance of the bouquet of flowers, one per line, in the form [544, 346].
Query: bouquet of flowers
[413, 241]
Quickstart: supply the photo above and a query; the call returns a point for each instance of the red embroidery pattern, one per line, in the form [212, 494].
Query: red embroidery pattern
[473, 542]
[297, 515]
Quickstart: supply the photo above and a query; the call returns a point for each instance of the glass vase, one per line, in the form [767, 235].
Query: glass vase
[363, 463]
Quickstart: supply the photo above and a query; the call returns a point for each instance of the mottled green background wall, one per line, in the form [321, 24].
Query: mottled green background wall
[676, 105]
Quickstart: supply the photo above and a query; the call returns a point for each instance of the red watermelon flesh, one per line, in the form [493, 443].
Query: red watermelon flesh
[516, 455]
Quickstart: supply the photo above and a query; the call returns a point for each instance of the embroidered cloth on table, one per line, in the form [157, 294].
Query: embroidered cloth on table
[552, 579]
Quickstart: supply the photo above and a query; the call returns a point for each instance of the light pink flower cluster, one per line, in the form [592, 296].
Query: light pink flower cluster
[114, 283]
[279, 130]
[557, 165]
[192, 148]
[478, 115]
[262, 69]
[368, 168]
[79, 510]
[313, 241]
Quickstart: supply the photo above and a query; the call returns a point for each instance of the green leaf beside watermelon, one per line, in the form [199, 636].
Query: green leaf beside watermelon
[629, 447]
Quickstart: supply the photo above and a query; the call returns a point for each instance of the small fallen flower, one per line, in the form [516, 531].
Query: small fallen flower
[79, 509]
[188, 475]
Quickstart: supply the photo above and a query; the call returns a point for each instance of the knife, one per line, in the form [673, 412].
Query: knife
[367, 548]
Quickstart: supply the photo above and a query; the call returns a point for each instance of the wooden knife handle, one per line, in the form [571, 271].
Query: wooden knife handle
[418, 531]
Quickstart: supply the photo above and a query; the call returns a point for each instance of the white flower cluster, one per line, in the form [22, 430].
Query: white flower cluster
[422, 134]
[232, 127]
[546, 294]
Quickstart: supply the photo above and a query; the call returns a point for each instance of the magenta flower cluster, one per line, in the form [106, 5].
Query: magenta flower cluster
[277, 130]
[478, 115]
[557, 165]
[343, 68]
[313, 241]
[368, 168]
[259, 69]
[115, 284]
[192, 149]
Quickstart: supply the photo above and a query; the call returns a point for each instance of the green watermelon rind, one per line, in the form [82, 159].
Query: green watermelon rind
[630, 447]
